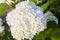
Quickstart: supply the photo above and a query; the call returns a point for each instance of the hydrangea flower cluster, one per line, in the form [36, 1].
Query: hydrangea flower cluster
[1, 27]
[26, 20]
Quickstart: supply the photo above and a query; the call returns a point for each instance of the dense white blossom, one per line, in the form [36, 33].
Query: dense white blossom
[50, 17]
[26, 20]
[1, 27]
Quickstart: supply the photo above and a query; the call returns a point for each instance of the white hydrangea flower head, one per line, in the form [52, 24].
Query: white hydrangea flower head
[26, 20]
[1, 27]
[50, 17]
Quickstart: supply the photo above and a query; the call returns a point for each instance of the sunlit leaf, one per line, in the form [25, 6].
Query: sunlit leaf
[33, 1]
[3, 8]
[44, 6]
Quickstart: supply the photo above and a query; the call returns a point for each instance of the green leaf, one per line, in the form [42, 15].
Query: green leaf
[14, 0]
[45, 5]
[33, 1]
[39, 36]
[55, 34]
[54, 3]
[2, 34]
[26, 39]
[3, 8]
[51, 25]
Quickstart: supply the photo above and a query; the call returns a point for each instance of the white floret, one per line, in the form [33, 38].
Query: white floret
[1, 27]
[26, 20]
